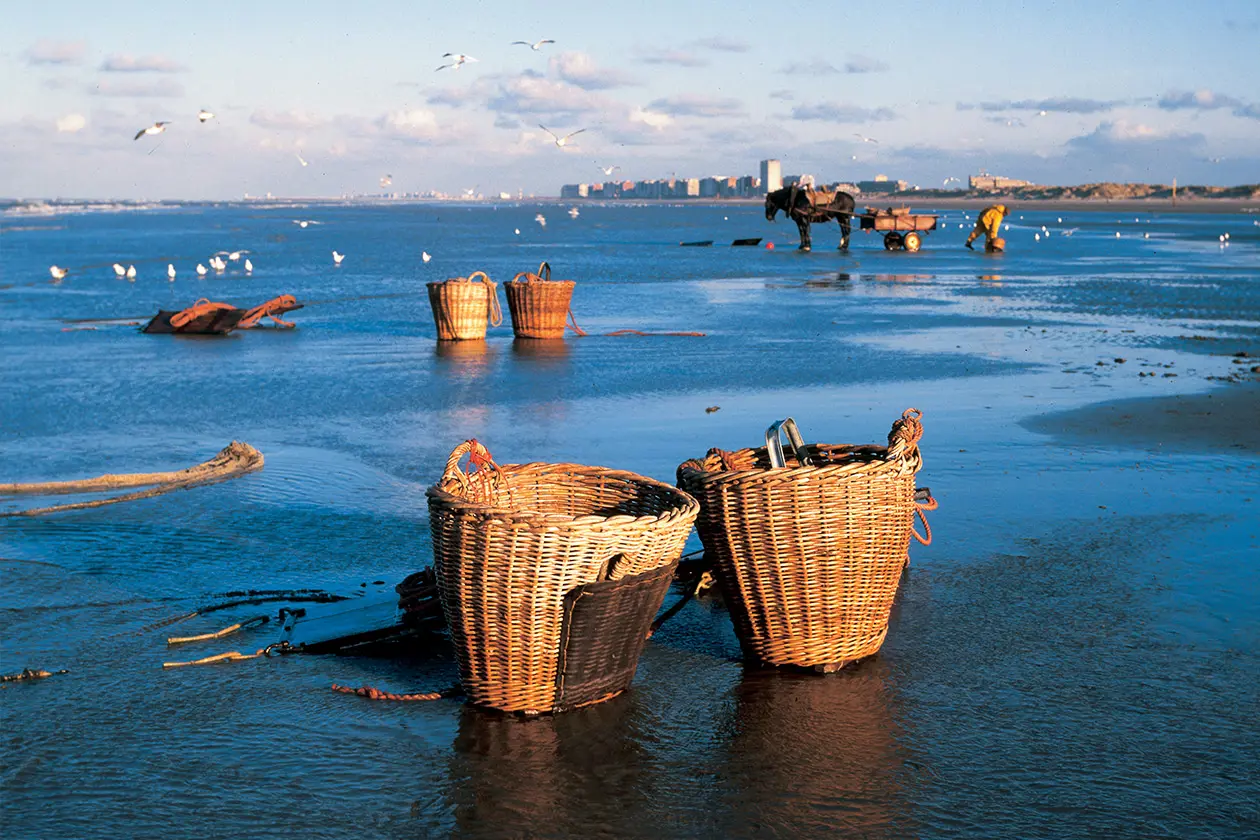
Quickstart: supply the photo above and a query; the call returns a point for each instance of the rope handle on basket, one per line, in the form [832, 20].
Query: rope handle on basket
[544, 274]
[923, 500]
[496, 312]
[903, 440]
[479, 460]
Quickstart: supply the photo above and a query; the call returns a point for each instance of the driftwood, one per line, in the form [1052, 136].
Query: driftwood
[233, 460]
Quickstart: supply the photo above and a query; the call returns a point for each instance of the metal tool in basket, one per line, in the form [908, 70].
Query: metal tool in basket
[774, 444]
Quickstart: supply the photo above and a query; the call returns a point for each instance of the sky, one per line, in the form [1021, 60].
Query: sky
[1052, 92]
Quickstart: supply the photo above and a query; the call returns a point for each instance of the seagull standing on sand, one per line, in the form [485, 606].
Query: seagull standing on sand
[424, 255]
[249, 266]
[119, 271]
[201, 270]
[170, 272]
[57, 272]
[337, 258]
[573, 212]
[534, 46]
[204, 115]
[866, 139]
[560, 141]
[156, 128]
[131, 273]
[458, 60]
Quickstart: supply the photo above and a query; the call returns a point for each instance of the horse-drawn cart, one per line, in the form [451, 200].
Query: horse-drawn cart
[902, 229]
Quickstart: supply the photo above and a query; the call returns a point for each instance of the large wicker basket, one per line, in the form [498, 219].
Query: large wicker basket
[809, 556]
[462, 306]
[540, 305]
[511, 542]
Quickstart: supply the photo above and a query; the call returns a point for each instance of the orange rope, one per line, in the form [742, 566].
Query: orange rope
[376, 694]
[650, 334]
[202, 307]
[573, 324]
[271, 309]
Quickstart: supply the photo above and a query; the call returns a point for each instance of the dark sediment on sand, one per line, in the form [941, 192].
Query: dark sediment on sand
[1224, 420]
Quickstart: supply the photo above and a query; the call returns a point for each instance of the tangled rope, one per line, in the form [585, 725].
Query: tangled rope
[904, 438]
[273, 649]
[27, 674]
[271, 309]
[204, 306]
[233, 460]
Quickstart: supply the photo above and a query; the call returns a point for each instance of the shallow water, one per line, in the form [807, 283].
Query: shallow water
[1075, 654]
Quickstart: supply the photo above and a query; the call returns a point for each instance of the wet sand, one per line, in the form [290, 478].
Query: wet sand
[1223, 420]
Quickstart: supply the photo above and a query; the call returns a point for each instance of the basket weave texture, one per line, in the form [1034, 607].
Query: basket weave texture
[538, 304]
[463, 305]
[809, 557]
[510, 541]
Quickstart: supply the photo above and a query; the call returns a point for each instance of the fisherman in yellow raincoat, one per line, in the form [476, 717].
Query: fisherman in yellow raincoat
[989, 222]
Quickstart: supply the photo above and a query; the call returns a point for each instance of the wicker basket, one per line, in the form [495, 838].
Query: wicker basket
[510, 542]
[462, 306]
[540, 305]
[809, 556]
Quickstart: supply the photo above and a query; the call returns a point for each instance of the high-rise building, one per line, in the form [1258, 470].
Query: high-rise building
[771, 175]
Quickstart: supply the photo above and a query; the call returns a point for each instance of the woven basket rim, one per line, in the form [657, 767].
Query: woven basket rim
[684, 502]
[700, 469]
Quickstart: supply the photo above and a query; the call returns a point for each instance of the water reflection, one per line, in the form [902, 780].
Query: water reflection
[581, 773]
[843, 280]
[994, 280]
[544, 350]
[815, 755]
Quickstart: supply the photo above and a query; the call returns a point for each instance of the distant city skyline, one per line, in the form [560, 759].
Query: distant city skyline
[320, 99]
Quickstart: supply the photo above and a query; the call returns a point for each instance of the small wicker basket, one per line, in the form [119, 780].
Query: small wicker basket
[511, 542]
[809, 555]
[463, 305]
[540, 305]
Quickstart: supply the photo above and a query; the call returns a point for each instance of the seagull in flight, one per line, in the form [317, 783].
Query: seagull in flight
[560, 141]
[386, 181]
[303, 161]
[866, 139]
[302, 223]
[534, 46]
[156, 128]
[458, 60]
[607, 170]
[204, 115]
[541, 219]
[948, 181]
[471, 191]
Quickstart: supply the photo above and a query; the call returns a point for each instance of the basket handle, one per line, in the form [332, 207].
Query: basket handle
[544, 270]
[923, 500]
[479, 458]
[903, 440]
[774, 446]
[496, 312]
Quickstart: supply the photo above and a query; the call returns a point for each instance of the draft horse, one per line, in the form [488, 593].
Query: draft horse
[804, 206]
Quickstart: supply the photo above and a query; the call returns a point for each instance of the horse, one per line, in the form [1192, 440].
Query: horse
[799, 205]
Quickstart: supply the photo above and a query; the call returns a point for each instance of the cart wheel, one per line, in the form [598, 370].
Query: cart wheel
[912, 241]
[892, 241]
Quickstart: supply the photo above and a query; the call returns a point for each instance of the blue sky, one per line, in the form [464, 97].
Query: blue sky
[1131, 91]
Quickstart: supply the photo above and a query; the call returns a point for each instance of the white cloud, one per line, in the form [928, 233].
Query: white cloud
[71, 123]
[528, 94]
[579, 69]
[864, 64]
[413, 123]
[56, 52]
[838, 113]
[292, 120]
[721, 44]
[677, 58]
[140, 64]
[652, 119]
[162, 88]
[691, 105]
